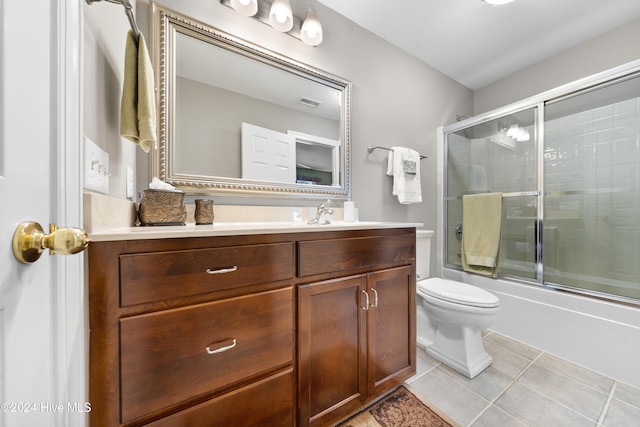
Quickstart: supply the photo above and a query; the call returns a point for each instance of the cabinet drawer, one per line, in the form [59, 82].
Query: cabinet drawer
[327, 256]
[160, 276]
[165, 356]
[271, 405]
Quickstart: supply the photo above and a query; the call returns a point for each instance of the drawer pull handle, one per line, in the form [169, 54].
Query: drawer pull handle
[222, 349]
[375, 298]
[366, 299]
[222, 270]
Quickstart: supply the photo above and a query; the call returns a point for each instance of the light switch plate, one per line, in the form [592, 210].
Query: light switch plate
[129, 183]
[96, 167]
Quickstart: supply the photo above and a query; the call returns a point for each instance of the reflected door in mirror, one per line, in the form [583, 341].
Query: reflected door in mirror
[268, 155]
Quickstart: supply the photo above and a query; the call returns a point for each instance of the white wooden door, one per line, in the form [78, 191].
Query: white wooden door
[42, 322]
[268, 155]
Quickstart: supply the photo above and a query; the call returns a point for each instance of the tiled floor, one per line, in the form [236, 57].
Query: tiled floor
[526, 387]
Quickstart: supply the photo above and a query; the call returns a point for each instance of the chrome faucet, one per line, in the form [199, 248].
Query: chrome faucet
[321, 211]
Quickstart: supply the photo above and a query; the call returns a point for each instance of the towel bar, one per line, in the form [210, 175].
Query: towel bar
[128, 9]
[370, 148]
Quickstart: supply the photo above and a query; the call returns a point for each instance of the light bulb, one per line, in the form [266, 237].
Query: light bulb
[280, 15]
[311, 31]
[523, 136]
[497, 2]
[245, 7]
[513, 131]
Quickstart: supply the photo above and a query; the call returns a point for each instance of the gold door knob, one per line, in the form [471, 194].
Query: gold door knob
[29, 240]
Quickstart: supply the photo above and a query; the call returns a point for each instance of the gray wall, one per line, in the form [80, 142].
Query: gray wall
[397, 100]
[105, 29]
[601, 53]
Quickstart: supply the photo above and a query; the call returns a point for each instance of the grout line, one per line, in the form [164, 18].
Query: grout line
[560, 371]
[556, 401]
[517, 377]
[418, 376]
[605, 409]
[559, 403]
[599, 421]
[480, 414]
[507, 387]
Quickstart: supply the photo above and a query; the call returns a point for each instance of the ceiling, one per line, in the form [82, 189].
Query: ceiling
[475, 43]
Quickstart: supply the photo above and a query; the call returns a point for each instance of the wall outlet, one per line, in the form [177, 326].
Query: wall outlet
[96, 167]
[130, 185]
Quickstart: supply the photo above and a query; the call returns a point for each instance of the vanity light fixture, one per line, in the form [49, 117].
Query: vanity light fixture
[518, 133]
[245, 7]
[513, 131]
[281, 16]
[278, 15]
[311, 32]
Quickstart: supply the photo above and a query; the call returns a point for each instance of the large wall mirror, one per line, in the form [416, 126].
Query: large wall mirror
[237, 119]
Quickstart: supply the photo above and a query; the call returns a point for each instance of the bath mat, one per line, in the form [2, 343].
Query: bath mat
[399, 409]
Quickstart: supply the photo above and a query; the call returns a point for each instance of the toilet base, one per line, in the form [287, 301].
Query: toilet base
[460, 348]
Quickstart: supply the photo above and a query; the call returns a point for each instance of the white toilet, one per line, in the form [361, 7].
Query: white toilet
[451, 316]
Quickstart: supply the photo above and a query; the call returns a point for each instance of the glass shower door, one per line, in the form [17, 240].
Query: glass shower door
[592, 189]
[571, 188]
[499, 155]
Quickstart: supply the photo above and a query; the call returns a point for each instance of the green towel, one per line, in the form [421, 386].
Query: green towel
[138, 105]
[481, 227]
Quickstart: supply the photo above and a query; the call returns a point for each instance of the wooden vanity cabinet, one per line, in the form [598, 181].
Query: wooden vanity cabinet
[356, 333]
[250, 330]
[196, 331]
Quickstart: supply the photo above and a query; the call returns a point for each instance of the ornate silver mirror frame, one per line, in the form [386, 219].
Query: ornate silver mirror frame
[168, 25]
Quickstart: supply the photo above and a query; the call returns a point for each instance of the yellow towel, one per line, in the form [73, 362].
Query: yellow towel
[481, 226]
[138, 105]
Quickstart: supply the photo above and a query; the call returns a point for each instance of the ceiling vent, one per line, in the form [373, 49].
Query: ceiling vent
[310, 102]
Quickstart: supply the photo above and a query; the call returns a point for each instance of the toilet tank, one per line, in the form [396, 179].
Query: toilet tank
[423, 253]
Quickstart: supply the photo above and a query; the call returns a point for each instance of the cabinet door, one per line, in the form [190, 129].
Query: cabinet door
[391, 328]
[332, 349]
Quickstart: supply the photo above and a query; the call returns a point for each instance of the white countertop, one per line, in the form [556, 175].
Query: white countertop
[237, 228]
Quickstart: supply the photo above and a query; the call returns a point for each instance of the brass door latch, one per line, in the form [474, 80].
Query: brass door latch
[30, 240]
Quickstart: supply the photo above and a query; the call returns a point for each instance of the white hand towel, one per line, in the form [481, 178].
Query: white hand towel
[390, 165]
[138, 103]
[406, 187]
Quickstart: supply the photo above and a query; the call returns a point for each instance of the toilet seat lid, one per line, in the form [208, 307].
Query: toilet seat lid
[458, 292]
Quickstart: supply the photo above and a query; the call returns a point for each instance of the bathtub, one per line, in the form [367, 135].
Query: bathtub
[599, 335]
